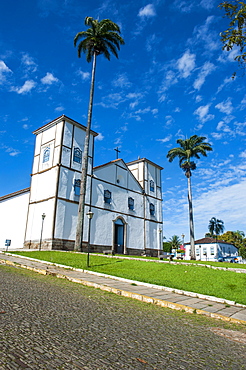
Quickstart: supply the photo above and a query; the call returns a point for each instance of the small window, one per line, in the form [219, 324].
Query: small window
[198, 251]
[152, 185]
[46, 155]
[152, 209]
[77, 155]
[131, 203]
[204, 251]
[77, 187]
[107, 196]
[212, 251]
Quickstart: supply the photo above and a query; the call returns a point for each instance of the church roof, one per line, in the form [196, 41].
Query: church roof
[19, 192]
[59, 119]
[108, 163]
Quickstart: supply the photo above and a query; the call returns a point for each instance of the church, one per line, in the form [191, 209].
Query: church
[124, 199]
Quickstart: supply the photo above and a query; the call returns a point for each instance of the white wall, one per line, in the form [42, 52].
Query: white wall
[13, 213]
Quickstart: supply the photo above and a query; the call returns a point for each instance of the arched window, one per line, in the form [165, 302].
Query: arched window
[77, 155]
[46, 155]
[152, 209]
[151, 185]
[77, 187]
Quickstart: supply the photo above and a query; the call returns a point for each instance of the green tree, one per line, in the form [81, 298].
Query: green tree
[190, 148]
[215, 227]
[235, 34]
[102, 37]
[175, 242]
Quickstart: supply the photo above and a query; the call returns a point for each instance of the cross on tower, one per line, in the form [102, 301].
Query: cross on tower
[117, 152]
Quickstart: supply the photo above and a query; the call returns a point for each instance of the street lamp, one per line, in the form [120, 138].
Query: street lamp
[160, 246]
[42, 225]
[89, 215]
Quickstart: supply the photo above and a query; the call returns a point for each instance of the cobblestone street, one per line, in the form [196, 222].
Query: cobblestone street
[49, 323]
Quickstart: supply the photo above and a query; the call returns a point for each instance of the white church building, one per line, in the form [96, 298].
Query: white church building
[125, 198]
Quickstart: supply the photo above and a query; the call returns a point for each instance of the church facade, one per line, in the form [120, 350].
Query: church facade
[124, 198]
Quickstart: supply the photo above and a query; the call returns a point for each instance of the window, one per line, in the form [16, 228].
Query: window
[212, 251]
[46, 155]
[107, 196]
[77, 155]
[204, 251]
[152, 209]
[77, 187]
[198, 251]
[152, 185]
[131, 203]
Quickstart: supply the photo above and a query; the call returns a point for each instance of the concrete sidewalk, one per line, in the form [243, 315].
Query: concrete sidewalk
[162, 296]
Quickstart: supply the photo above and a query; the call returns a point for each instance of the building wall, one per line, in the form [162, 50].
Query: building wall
[13, 213]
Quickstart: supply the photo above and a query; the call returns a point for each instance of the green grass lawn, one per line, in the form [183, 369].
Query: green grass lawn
[219, 283]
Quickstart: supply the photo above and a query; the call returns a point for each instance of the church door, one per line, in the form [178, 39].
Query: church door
[119, 236]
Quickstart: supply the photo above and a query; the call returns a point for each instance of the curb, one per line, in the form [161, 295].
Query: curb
[127, 294]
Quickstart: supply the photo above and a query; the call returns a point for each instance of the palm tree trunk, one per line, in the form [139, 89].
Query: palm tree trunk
[81, 210]
[192, 239]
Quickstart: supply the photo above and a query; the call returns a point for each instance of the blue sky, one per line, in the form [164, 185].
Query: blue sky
[172, 80]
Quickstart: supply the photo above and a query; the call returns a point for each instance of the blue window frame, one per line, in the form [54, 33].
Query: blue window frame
[131, 203]
[107, 196]
[77, 155]
[46, 155]
[152, 209]
[77, 187]
[152, 185]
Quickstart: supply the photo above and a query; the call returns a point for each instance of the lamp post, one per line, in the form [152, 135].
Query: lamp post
[89, 215]
[42, 225]
[160, 240]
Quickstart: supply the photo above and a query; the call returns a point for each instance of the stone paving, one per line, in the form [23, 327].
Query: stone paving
[212, 306]
[48, 324]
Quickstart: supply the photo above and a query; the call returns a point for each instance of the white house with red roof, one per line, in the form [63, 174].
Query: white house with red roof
[210, 249]
[125, 198]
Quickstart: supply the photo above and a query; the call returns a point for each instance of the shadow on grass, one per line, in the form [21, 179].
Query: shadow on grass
[104, 264]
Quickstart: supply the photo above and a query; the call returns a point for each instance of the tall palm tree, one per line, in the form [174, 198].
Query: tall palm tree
[190, 148]
[216, 227]
[102, 37]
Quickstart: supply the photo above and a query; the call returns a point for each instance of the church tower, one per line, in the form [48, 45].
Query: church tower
[55, 183]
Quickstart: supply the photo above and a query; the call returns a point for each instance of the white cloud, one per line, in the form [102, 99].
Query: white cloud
[99, 137]
[4, 69]
[225, 106]
[207, 4]
[147, 11]
[206, 69]
[121, 81]
[49, 79]
[186, 64]
[60, 108]
[29, 63]
[203, 113]
[12, 152]
[166, 139]
[243, 154]
[85, 75]
[208, 38]
[198, 98]
[224, 83]
[28, 86]
[169, 120]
